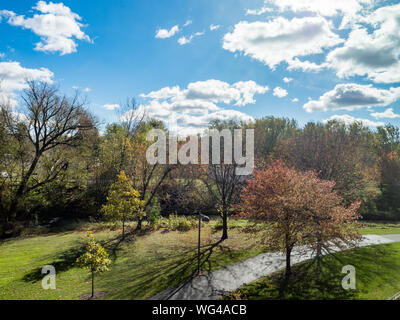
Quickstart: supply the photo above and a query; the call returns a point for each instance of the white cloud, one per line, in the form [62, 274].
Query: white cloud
[295, 100]
[214, 27]
[13, 79]
[306, 66]
[280, 40]
[185, 40]
[57, 26]
[280, 93]
[164, 33]
[347, 119]
[287, 80]
[374, 54]
[194, 107]
[258, 12]
[349, 9]
[187, 23]
[85, 89]
[111, 106]
[241, 93]
[388, 114]
[352, 96]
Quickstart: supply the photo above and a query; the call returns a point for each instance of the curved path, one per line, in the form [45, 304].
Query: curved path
[216, 284]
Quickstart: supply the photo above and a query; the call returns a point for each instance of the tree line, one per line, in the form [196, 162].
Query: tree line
[55, 163]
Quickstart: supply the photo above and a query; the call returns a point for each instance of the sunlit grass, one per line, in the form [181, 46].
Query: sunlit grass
[377, 277]
[143, 265]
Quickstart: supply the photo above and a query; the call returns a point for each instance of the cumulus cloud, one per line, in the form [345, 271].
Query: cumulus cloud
[306, 66]
[290, 38]
[287, 80]
[295, 100]
[374, 54]
[111, 106]
[352, 96]
[240, 93]
[280, 93]
[196, 105]
[185, 40]
[13, 79]
[169, 33]
[165, 33]
[347, 119]
[387, 114]
[350, 9]
[214, 27]
[258, 12]
[57, 26]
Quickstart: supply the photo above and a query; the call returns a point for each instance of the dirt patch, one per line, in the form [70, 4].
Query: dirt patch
[96, 296]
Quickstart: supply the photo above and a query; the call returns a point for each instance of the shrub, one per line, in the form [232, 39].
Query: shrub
[177, 223]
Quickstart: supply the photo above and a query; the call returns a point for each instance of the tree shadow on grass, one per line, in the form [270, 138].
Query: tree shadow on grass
[66, 260]
[321, 279]
[170, 271]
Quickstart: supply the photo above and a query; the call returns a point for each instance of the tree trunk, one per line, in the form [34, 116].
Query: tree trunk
[288, 271]
[21, 190]
[224, 224]
[123, 227]
[319, 247]
[139, 224]
[92, 284]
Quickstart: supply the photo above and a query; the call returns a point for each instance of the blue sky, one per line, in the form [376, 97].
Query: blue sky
[341, 57]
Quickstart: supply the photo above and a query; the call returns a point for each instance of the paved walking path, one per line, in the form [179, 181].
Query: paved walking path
[218, 283]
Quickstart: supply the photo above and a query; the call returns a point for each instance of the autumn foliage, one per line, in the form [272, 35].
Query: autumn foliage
[95, 259]
[299, 209]
[123, 202]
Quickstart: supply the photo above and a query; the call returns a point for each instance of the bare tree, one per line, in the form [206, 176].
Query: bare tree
[131, 119]
[49, 122]
[224, 186]
[221, 180]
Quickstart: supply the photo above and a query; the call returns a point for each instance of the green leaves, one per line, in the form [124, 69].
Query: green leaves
[123, 202]
[96, 258]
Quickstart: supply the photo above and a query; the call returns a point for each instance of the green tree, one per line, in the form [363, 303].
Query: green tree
[95, 259]
[123, 202]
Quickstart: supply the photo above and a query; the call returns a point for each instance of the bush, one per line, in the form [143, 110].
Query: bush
[177, 223]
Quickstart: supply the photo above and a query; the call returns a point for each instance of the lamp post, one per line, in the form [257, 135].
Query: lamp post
[201, 216]
[198, 246]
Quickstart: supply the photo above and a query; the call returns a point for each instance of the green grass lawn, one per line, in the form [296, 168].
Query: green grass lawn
[142, 266]
[377, 277]
[379, 228]
[147, 263]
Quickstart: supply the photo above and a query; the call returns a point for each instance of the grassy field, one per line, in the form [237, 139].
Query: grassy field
[377, 277]
[379, 228]
[147, 263]
[142, 266]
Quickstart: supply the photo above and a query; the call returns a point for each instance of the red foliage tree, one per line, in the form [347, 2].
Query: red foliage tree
[299, 208]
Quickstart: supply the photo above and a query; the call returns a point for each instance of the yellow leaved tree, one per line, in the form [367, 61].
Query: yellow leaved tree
[123, 202]
[95, 258]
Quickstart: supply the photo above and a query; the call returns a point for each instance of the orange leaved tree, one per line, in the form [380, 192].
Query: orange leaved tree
[299, 209]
